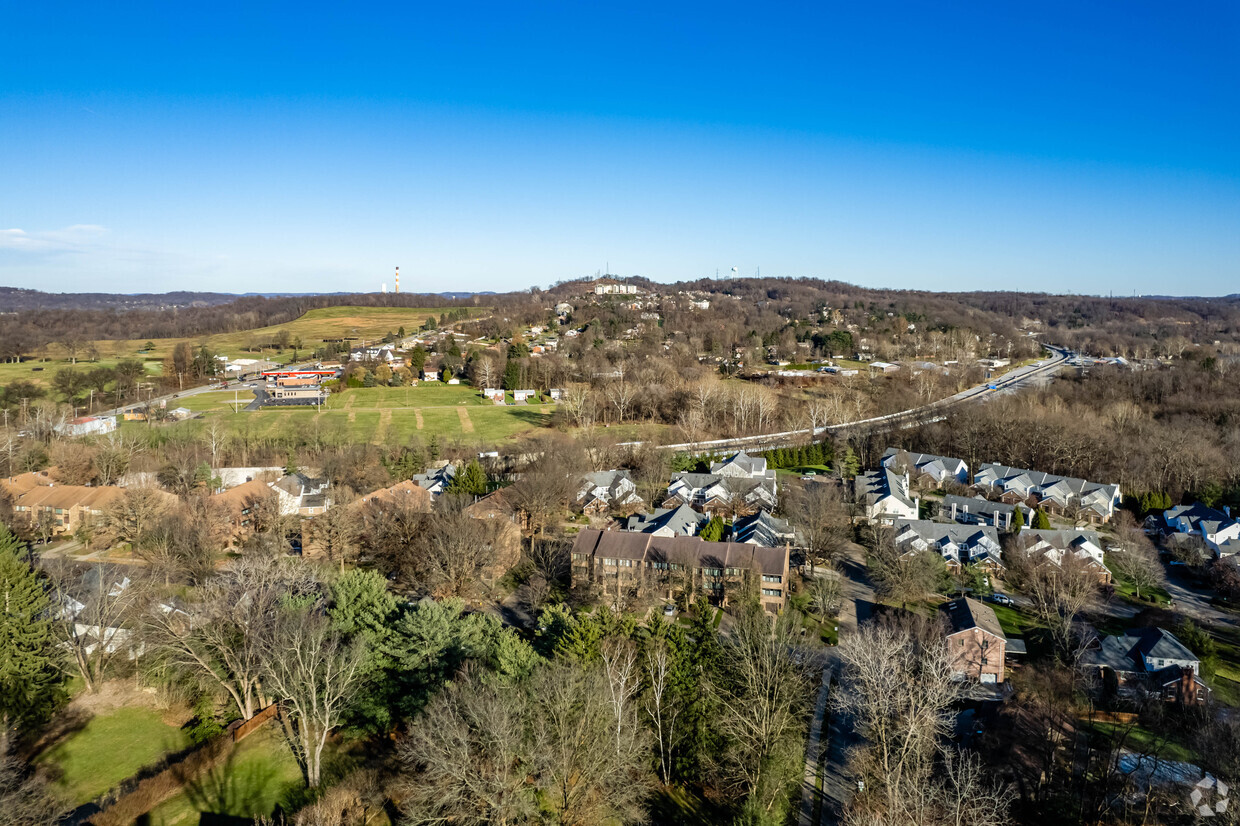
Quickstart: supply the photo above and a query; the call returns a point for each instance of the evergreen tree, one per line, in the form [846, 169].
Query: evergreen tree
[472, 480]
[1040, 520]
[1018, 520]
[712, 531]
[850, 465]
[31, 679]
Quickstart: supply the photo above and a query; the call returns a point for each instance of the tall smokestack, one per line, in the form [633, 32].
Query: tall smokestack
[398, 279]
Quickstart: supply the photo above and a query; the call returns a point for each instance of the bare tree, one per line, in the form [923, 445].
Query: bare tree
[1133, 556]
[133, 513]
[220, 639]
[24, 798]
[825, 592]
[94, 606]
[623, 673]
[1060, 593]
[337, 532]
[586, 775]
[467, 759]
[818, 511]
[762, 692]
[315, 675]
[663, 712]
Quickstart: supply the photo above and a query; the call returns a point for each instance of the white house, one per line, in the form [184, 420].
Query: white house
[884, 496]
[978, 510]
[1092, 501]
[87, 426]
[959, 545]
[495, 394]
[1216, 528]
[679, 521]
[1056, 545]
[718, 493]
[299, 494]
[606, 489]
[924, 467]
[741, 465]
[435, 480]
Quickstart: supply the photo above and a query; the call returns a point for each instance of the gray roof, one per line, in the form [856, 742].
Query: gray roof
[761, 529]
[978, 505]
[685, 550]
[682, 521]
[1126, 652]
[965, 613]
[941, 532]
[924, 461]
[744, 461]
[879, 484]
[1065, 539]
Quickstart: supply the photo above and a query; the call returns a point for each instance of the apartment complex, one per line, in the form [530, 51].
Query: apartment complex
[622, 561]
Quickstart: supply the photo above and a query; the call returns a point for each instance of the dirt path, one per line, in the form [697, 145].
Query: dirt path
[349, 401]
[352, 415]
[467, 426]
[385, 419]
[417, 418]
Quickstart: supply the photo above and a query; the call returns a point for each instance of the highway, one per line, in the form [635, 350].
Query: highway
[925, 414]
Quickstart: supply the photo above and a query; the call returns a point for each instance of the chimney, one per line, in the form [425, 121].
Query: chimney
[1186, 692]
[398, 280]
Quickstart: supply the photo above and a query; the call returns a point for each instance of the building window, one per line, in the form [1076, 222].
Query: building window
[609, 562]
[626, 563]
[768, 578]
[772, 592]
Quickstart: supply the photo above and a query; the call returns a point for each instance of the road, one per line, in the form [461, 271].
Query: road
[856, 606]
[924, 414]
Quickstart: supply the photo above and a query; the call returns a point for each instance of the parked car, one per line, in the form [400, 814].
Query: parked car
[1002, 599]
[669, 610]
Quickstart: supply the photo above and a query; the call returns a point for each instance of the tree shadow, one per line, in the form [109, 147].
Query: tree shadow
[233, 792]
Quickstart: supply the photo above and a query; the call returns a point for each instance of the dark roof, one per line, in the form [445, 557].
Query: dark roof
[686, 550]
[964, 614]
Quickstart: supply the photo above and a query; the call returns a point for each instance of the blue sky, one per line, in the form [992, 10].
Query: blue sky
[1085, 147]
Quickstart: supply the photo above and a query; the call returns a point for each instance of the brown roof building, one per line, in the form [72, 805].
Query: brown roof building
[975, 640]
[613, 561]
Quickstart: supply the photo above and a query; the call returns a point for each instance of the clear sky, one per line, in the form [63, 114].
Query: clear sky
[1077, 146]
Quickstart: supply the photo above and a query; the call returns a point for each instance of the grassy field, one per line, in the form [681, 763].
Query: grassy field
[260, 775]
[380, 415]
[367, 323]
[110, 748]
[41, 371]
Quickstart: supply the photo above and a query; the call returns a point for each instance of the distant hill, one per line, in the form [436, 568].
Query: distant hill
[14, 299]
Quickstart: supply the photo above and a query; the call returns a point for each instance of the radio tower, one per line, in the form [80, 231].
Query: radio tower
[398, 279]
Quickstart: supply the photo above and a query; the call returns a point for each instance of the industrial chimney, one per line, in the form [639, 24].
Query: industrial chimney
[398, 279]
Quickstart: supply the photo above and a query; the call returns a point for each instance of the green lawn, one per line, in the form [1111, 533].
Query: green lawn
[1147, 742]
[110, 748]
[1015, 623]
[259, 775]
[1125, 589]
[41, 372]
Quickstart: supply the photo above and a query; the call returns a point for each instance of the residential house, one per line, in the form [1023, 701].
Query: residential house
[88, 426]
[884, 496]
[381, 352]
[959, 545]
[678, 521]
[1057, 545]
[975, 640]
[436, 480]
[717, 494]
[762, 529]
[239, 506]
[302, 495]
[496, 505]
[609, 286]
[618, 561]
[1217, 529]
[607, 490]
[741, 465]
[926, 470]
[978, 510]
[1149, 659]
[230, 477]
[63, 509]
[494, 394]
[1093, 502]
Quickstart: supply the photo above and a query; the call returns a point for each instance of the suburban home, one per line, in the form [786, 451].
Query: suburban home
[616, 562]
[741, 465]
[1149, 659]
[1216, 528]
[494, 394]
[678, 521]
[884, 496]
[926, 470]
[436, 480]
[431, 374]
[959, 545]
[1093, 502]
[978, 510]
[302, 495]
[495, 505]
[723, 494]
[1056, 545]
[230, 477]
[762, 529]
[607, 490]
[87, 426]
[237, 506]
[40, 501]
[975, 640]
[383, 352]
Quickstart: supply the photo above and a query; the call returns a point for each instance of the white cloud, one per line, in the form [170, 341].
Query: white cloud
[76, 238]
